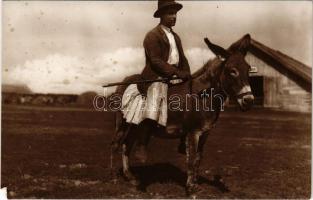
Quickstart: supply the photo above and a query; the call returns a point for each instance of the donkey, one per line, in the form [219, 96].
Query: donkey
[227, 75]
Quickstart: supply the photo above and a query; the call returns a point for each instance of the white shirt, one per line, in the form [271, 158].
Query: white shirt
[173, 57]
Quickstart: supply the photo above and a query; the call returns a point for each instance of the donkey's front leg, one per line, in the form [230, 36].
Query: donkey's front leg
[200, 138]
[191, 146]
[194, 149]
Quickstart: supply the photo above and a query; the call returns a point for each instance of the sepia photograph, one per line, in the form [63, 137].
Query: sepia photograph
[158, 99]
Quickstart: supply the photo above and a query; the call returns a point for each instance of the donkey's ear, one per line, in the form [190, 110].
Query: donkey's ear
[217, 50]
[241, 45]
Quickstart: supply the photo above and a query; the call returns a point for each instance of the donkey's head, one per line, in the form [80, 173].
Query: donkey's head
[234, 77]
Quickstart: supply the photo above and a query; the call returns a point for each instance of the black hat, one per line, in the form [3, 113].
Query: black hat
[165, 4]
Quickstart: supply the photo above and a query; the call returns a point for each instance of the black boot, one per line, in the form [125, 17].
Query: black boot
[182, 145]
[141, 154]
[144, 131]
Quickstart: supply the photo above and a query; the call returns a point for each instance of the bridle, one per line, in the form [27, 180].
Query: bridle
[238, 96]
[220, 82]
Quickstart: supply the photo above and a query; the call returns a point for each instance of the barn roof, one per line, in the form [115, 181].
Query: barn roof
[297, 71]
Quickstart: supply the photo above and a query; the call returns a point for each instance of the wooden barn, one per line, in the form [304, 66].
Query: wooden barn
[279, 81]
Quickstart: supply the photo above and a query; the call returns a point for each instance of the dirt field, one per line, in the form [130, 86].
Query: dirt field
[64, 153]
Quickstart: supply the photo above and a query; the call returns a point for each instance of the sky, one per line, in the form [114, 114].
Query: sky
[74, 47]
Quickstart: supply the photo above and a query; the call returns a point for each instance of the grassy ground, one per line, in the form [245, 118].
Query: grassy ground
[64, 153]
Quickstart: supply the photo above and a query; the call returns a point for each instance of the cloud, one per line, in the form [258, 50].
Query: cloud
[53, 74]
[32, 30]
[69, 74]
[119, 64]
[74, 75]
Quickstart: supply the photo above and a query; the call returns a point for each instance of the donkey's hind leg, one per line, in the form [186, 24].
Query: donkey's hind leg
[127, 147]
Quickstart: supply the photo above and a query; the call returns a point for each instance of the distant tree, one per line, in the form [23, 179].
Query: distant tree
[20, 89]
[86, 99]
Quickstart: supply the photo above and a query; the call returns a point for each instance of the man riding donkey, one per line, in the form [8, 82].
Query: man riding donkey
[165, 58]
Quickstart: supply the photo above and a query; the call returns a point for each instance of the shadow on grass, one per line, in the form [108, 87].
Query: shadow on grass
[166, 172]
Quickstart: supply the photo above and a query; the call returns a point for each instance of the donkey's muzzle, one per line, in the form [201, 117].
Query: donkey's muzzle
[247, 100]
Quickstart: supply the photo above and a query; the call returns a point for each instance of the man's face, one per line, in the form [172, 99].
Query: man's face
[168, 18]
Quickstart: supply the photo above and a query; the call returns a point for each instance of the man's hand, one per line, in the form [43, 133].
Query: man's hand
[183, 75]
[176, 81]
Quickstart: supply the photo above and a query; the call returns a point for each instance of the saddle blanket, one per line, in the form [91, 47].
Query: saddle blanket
[136, 108]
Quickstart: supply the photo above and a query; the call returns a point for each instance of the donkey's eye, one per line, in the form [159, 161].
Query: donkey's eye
[234, 72]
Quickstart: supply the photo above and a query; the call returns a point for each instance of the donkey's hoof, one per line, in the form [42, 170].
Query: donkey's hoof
[192, 190]
[141, 155]
[131, 179]
[134, 182]
[114, 181]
